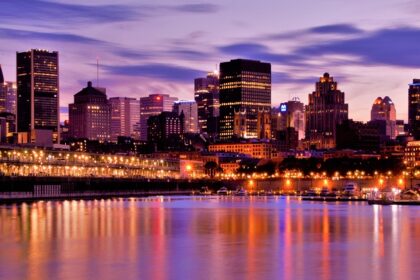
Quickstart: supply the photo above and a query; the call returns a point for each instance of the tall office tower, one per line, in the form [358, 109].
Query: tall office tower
[90, 114]
[245, 90]
[206, 94]
[326, 109]
[292, 114]
[189, 108]
[153, 105]
[3, 92]
[414, 108]
[125, 115]
[383, 110]
[38, 97]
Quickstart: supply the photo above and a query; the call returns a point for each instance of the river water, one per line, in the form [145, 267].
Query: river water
[208, 238]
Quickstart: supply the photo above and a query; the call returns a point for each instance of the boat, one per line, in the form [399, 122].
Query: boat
[205, 191]
[241, 192]
[223, 191]
[351, 190]
[310, 192]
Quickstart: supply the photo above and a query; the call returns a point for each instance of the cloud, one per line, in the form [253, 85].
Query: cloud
[392, 46]
[258, 52]
[158, 71]
[198, 8]
[21, 11]
[16, 34]
[335, 29]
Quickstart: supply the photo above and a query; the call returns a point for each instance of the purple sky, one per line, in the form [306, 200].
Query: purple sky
[371, 47]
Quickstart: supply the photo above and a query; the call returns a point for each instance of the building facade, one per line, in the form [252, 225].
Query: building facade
[165, 130]
[7, 95]
[383, 110]
[90, 115]
[245, 90]
[38, 96]
[190, 111]
[292, 114]
[414, 108]
[206, 94]
[125, 117]
[325, 110]
[153, 105]
[260, 150]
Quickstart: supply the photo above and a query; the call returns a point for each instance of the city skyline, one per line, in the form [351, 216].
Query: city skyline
[371, 54]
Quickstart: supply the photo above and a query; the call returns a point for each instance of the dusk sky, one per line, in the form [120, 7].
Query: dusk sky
[372, 48]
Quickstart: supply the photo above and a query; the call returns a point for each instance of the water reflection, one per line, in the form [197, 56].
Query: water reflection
[228, 238]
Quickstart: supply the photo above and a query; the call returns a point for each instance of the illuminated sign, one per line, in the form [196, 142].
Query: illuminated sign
[283, 107]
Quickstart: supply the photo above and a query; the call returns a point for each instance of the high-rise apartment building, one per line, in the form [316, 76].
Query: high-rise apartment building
[38, 97]
[245, 99]
[153, 105]
[90, 114]
[325, 110]
[125, 117]
[383, 110]
[414, 108]
[165, 130]
[206, 94]
[189, 109]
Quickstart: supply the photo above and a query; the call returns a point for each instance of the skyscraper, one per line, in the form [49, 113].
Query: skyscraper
[383, 110]
[38, 96]
[7, 95]
[165, 130]
[90, 114]
[206, 94]
[325, 110]
[292, 114]
[245, 90]
[153, 105]
[125, 116]
[189, 108]
[414, 108]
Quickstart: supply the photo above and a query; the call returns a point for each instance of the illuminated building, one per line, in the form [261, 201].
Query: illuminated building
[383, 110]
[189, 108]
[206, 94]
[7, 95]
[260, 150]
[125, 117]
[165, 130]
[325, 110]
[414, 108]
[245, 90]
[412, 154]
[292, 114]
[153, 105]
[38, 96]
[90, 114]
[7, 127]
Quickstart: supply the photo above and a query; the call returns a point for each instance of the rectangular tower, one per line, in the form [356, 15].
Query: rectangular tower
[38, 96]
[414, 108]
[245, 88]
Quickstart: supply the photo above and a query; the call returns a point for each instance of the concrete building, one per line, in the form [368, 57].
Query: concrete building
[38, 96]
[90, 115]
[153, 105]
[125, 117]
[258, 149]
[325, 110]
[189, 108]
[7, 95]
[383, 110]
[165, 130]
[206, 94]
[292, 114]
[245, 91]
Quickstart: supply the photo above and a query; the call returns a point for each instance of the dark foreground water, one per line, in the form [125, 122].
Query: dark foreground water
[208, 238]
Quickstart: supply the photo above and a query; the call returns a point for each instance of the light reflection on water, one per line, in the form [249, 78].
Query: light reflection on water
[208, 238]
